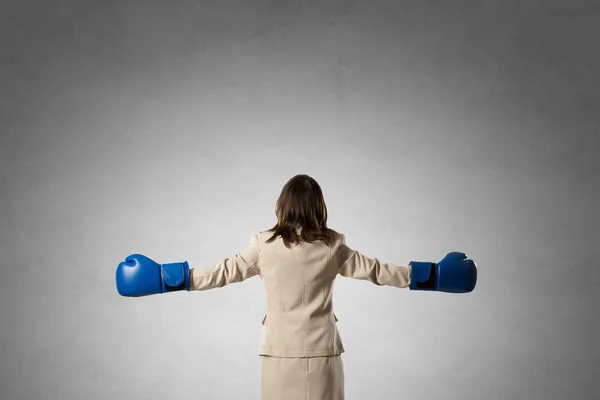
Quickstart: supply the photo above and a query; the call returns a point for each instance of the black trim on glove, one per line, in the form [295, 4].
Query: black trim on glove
[431, 283]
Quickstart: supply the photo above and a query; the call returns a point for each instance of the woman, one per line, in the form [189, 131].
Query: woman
[298, 260]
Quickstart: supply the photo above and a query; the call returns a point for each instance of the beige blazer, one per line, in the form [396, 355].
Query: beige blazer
[299, 321]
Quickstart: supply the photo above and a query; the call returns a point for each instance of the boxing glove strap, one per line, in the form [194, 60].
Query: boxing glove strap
[175, 276]
[423, 275]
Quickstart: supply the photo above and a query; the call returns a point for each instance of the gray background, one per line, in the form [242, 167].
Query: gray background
[169, 129]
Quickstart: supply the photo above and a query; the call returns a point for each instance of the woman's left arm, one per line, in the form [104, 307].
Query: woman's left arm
[237, 268]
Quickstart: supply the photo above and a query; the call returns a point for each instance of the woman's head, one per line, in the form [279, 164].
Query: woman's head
[301, 204]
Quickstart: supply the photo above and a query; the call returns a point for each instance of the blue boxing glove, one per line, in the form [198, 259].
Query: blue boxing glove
[454, 274]
[140, 276]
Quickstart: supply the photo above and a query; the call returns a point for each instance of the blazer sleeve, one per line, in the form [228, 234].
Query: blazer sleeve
[237, 268]
[353, 264]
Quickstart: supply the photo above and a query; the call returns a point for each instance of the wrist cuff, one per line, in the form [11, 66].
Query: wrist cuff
[422, 275]
[175, 276]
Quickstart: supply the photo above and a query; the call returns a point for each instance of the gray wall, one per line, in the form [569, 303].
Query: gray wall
[169, 128]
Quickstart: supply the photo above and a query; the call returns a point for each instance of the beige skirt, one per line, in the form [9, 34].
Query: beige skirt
[305, 378]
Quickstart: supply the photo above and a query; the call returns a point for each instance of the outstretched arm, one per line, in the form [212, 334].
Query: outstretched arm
[230, 270]
[140, 276]
[454, 274]
[353, 264]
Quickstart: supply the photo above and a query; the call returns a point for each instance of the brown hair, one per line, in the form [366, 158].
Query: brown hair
[301, 203]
